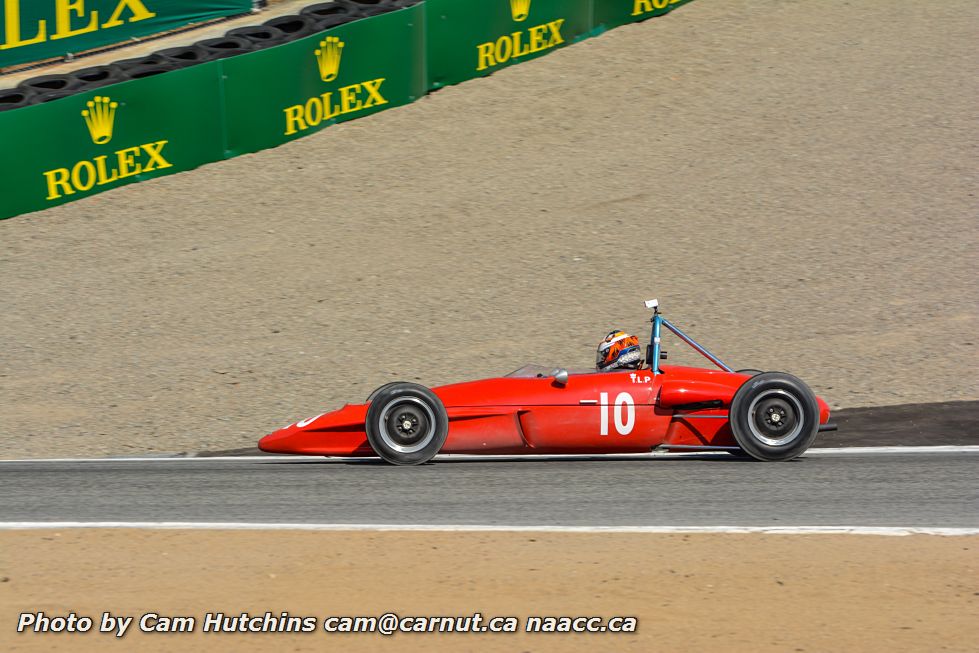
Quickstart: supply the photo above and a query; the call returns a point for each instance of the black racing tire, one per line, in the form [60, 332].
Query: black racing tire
[49, 83]
[406, 424]
[323, 10]
[370, 7]
[373, 394]
[749, 372]
[329, 22]
[98, 76]
[125, 65]
[774, 416]
[15, 98]
[185, 55]
[293, 26]
[261, 36]
[223, 47]
[51, 96]
[149, 70]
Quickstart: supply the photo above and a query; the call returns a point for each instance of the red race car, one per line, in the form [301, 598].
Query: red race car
[633, 408]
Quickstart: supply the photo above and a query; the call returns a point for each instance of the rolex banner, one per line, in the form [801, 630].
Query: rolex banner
[94, 141]
[612, 13]
[351, 71]
[34, 30]
[472, 38]
[88, 143]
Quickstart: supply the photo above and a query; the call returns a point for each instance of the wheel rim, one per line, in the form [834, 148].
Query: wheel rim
[775, 417]
[407, 425]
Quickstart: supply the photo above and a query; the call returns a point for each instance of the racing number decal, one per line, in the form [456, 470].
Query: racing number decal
[306, 422]
[623, 413]
[624, 426]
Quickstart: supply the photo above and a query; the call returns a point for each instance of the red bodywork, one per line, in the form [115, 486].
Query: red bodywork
[630, 411]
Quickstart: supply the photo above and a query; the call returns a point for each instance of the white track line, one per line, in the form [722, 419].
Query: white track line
[942, 448]
[826, 451]
[465, 528]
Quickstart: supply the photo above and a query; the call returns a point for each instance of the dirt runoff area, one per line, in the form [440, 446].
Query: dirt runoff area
[762, 593]
[795, 181]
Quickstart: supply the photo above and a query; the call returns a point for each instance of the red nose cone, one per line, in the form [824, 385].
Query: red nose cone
[276, 442]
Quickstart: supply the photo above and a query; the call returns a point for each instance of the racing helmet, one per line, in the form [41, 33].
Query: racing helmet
[618, 350]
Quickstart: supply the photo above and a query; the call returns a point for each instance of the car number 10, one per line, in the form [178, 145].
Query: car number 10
[623, 413]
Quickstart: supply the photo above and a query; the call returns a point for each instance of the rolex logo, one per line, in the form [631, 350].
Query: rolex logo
[520, 9]
[328, 58]
[100, 116]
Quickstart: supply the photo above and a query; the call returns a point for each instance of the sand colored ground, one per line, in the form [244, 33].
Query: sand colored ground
[794, 180]
[737, 593]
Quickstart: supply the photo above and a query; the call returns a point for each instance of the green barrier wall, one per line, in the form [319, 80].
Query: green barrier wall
[613, 13]
[283, 93]
[41, 29]
[84, 144]
[477, 37]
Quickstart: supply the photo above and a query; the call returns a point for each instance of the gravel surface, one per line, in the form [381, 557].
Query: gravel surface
[827, 592]
[794, 180]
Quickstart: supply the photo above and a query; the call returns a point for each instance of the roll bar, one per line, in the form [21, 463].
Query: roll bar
[653, 350]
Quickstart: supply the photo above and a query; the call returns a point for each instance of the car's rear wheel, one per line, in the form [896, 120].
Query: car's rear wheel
[406, 423]
[774, 416]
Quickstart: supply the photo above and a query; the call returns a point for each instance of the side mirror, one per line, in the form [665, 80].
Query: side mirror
[560, 376]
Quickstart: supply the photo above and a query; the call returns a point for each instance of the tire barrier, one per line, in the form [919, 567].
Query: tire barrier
[179, 108]
[136, 62]
[186, 55]
[46, 83]
[98, 76]
[371, 7]
[49, 96]
[150, 69]
[35, 30]
[15, 98]
[331, 14]
[293, 26]
[261, 36]
[225, 46]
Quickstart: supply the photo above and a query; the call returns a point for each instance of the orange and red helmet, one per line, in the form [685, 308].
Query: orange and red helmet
[618, 350]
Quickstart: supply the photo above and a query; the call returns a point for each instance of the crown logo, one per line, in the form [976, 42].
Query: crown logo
[328, 57]
[519, 9]
[100, 116]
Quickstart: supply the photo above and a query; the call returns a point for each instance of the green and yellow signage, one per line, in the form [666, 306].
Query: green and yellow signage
[34, 30]
[95, 141]
[612, 13]
[476, 37]
[351, 71]
[87, 143]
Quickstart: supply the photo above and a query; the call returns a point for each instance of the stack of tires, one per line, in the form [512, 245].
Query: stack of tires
[282, 29]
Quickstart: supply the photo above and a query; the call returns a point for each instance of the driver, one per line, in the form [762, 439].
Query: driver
[617, 351]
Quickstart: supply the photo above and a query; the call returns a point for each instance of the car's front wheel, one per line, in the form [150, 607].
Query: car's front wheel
[373, 394]
[774, 416]
[406, 423]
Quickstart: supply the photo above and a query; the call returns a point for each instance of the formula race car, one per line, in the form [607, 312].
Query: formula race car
[541, 410]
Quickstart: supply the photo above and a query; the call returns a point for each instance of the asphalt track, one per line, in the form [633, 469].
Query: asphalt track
[859, 487]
